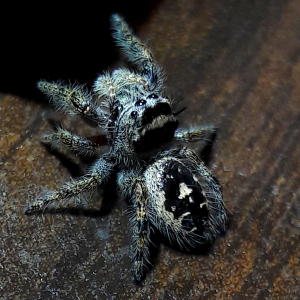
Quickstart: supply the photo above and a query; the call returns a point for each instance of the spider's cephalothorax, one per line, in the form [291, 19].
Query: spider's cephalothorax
[170, 189]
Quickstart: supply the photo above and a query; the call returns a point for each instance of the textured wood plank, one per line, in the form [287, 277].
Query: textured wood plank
[236, 65]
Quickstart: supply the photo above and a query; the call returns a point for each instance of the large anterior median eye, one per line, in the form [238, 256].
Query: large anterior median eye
[140, 102]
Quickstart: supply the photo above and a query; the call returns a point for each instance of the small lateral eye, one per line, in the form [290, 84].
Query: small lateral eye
[134, 114]
[140, 102]
[153, 96]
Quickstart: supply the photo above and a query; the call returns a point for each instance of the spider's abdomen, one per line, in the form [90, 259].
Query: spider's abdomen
[184, 199]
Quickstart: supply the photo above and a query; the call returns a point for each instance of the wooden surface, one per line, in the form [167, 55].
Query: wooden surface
[236, 64]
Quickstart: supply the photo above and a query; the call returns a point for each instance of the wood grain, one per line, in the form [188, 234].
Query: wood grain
[236, 64]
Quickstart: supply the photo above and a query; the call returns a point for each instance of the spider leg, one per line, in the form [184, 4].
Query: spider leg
[141, 230]
[72, 142]
[98, 174]
[104, 86]
[128, 81]
[137, 52]
[195, 133]
[73, 100]
[133, 186]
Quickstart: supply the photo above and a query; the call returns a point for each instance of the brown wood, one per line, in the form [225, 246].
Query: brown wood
[236, 64]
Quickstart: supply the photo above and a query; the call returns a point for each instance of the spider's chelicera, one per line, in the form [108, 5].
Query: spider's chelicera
[168, 186]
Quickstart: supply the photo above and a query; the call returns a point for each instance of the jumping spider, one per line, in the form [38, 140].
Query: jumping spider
[169, 190]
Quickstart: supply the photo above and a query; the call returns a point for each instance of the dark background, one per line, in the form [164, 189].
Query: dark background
[235, 64]
[52, 41]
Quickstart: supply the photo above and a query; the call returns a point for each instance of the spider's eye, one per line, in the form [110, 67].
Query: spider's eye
[153, 96]
[140, 102]
[134, 114]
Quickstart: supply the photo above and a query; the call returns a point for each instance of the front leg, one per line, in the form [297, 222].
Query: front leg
[98, 174]
[195, 133]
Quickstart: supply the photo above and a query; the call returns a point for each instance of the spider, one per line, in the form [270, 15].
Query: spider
[168, 186]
